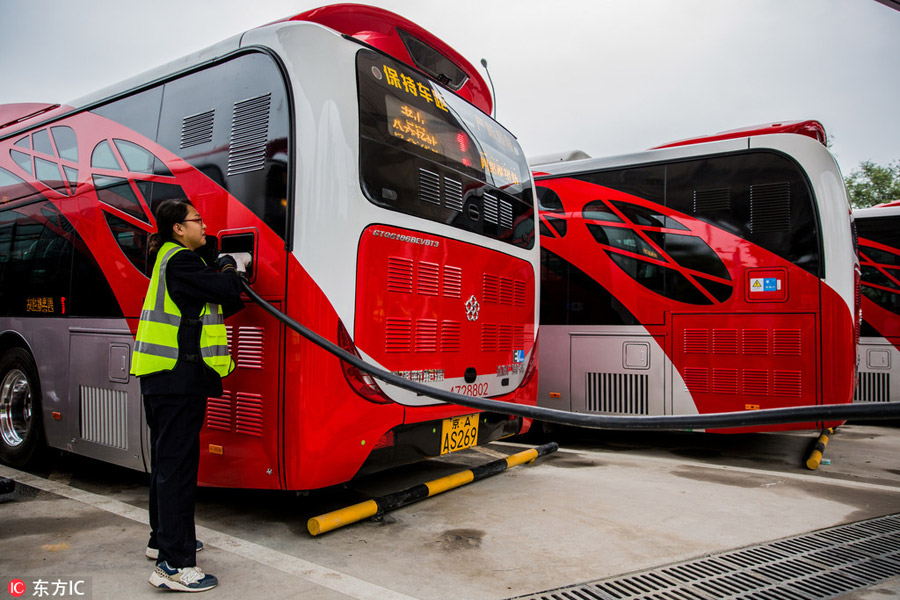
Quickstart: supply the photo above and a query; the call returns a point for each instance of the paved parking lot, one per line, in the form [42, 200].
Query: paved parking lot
[608, 503]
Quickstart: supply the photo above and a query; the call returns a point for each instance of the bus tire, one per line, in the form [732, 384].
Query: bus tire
[21, 425]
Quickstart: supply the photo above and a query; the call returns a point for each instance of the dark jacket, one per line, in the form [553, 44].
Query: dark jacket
[191, 284]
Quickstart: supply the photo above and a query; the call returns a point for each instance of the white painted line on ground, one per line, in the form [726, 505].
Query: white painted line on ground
[304, 569]
[662, 460]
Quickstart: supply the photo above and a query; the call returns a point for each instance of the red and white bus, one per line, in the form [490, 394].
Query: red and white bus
[352, 154]
[878, 229]
[711, 275]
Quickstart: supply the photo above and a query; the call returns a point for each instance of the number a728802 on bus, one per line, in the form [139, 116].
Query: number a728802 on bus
[713, 275]
[351, 153]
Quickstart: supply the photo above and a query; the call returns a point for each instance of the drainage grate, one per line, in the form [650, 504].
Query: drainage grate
[823, 564]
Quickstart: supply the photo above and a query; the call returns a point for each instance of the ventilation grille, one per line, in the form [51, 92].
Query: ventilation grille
[873, 387]
[506, 214]
[452, 282]
[236, 413]
[249, 132]
[400, 275]
[451, 336]
[756, 341]
[426, 335]
[405, 275]
[491, 209]
[502, 290]
[696, 341]
[788, 383]
[104, 416]
[621, 393]
[725, 341]
[786, 342]
[453, 194]
[429, 280]
[423, 335]
[770, 208]
[502, 337]
[725, 381]
[249, 414]
[498, 211]
[218, 412]
[754, 382]
[824, 564]
[710, 200]
[398, 335]
[250, 347]
[197, 129]
[429, 187]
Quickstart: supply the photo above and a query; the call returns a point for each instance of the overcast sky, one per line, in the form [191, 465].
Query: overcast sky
[604, 76]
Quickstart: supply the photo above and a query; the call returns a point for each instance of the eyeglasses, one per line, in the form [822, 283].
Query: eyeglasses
[198, 220]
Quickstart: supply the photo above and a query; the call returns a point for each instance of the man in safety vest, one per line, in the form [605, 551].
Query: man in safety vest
[181, 355]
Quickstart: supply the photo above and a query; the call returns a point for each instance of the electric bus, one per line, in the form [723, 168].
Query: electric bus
[878, 229]
[711, 275]
[352, 154]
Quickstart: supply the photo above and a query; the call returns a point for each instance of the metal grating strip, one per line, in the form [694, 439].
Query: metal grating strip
[429, 186]
[249, 135]
[197, 129]
[453, 194]
[619, 393]
[823, 564]
[104, 416]
[872, 387]
[491, 209]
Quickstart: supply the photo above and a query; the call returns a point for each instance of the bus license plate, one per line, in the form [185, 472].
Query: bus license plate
[459, 433]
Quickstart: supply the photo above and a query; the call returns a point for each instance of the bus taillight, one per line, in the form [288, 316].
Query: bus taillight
[361, 382]
[531, 369]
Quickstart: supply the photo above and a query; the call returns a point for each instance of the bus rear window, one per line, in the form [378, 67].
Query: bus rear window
[426, 152]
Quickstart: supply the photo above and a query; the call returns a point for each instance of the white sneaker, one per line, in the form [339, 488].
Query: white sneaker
[188, 579]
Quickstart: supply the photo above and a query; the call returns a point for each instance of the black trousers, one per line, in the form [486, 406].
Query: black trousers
[175, 423]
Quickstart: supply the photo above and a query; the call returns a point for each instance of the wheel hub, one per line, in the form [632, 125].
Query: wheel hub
[15, 408]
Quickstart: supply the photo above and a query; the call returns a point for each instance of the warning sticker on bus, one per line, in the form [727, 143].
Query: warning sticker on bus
[459, 433]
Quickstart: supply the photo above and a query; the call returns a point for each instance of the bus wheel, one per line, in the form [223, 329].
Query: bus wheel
[21, 429]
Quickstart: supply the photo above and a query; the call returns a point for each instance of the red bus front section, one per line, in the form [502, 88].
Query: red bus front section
[744, 328]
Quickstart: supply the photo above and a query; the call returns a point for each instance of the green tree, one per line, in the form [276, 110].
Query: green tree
[873, 184]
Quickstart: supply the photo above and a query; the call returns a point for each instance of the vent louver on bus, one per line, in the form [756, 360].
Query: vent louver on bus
[873, 387]
[429, 187]
[709, 200]
[498, 211]
[104, 415]
[621, 393]
[770, 208]
[197, 129]
[249, 133]
[453, 194]
[236, 413]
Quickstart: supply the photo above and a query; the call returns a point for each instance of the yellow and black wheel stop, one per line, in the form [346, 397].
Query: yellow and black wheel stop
[815, 456]
[378, 506]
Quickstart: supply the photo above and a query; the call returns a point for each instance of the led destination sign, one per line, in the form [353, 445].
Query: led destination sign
[418, 114]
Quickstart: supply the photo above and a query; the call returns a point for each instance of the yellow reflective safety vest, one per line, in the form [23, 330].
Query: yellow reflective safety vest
[156, 342]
